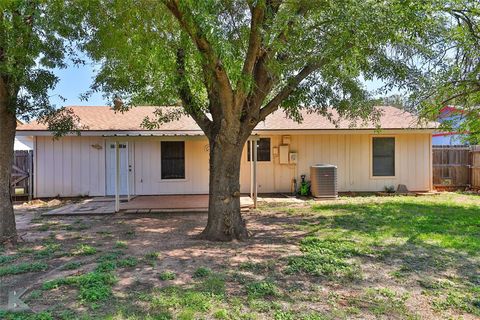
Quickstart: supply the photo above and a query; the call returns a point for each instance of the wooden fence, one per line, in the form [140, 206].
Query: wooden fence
[475, 166]
[456, 167]
[21, 182]
[451, 166]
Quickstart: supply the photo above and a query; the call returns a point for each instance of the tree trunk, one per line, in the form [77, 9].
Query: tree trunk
[8, 124]
[225, 222]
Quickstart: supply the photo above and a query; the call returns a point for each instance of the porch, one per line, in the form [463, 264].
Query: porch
[132, 169]
[141, 205]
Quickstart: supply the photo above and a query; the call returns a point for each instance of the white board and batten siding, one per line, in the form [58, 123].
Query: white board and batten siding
[76, 166]
[352, 154]
[148, 179]
[69, 166]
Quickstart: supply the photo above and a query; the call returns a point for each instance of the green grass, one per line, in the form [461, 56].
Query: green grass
[84, 250]
[72, 265]
[23, 268]
[93, 286]
[262, 289]
[167, 275]
[202, 272]
[352, 258]
[444, 221]
[326, 258]
[121, 245]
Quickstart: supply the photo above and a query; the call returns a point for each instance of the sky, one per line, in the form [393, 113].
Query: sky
[76, 80]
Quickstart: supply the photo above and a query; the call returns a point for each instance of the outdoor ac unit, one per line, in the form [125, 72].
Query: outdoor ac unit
[324, 181]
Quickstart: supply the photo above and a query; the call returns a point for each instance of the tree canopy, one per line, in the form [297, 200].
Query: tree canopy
[306, 53]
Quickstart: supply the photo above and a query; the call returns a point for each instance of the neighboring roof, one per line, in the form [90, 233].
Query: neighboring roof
[103, 118]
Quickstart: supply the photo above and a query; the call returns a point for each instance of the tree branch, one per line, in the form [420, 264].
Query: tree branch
[254, 44]
[185, 93]
[292, 84]
[212, 63]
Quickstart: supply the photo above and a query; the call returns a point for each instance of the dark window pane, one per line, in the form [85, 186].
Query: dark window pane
[383, 157]
[173, 159]
[263, 151]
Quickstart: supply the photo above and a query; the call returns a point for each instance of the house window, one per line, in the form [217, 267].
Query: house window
[263, 150]
[383, 157]
[173, 159]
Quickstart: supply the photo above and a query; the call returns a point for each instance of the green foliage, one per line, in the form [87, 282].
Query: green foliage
[48, 250]
[7, 259]
[44, 315]
[72, 265]
[202, 272]
[154, 255]
[167, 275]
[325, 258]
[33, 41]
[84, 250]
[121, 245]
[23, 268]
[213, 284]
[359, 40]
[262, 289]
[176, 298]
[93, 286]
[221, 314]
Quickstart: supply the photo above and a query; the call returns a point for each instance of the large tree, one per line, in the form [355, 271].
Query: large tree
[31, 45]
[452, 77]
[231, 63]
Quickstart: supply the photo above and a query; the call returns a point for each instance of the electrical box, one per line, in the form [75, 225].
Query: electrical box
[284, 154]
[275, 151]
[293, 157]
[286, 139]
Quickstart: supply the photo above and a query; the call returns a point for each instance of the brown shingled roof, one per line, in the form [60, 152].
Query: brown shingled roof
[103, 118]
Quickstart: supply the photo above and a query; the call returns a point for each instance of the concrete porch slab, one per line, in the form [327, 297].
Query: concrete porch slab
[173, 203]
[141, 205]
[84, 207]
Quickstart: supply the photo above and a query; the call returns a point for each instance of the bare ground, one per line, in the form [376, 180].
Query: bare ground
[275, 237]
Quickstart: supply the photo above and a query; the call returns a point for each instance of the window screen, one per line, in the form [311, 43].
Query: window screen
[383, 157]
[173, 159]
[263, 151]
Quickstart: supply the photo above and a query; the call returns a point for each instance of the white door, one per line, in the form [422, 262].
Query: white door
[111, 166]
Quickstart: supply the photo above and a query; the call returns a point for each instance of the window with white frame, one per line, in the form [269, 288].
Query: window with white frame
[383, 157]
[173, 159]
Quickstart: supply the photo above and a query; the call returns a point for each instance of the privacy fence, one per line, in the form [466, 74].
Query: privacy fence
[456, 167]
[21, 182]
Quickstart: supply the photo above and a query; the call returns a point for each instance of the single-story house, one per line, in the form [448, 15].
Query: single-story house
[173, 159]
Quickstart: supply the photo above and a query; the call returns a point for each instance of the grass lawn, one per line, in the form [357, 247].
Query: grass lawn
[354, 258]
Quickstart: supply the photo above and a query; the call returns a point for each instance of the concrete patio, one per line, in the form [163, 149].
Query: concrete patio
[141, 204]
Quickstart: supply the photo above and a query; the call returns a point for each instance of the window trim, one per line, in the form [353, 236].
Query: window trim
[184, 161]
[395, 157]
[258, 161]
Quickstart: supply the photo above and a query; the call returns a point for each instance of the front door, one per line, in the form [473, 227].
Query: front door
[111, 168]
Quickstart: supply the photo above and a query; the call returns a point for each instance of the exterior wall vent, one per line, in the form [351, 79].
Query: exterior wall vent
[324, 181]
